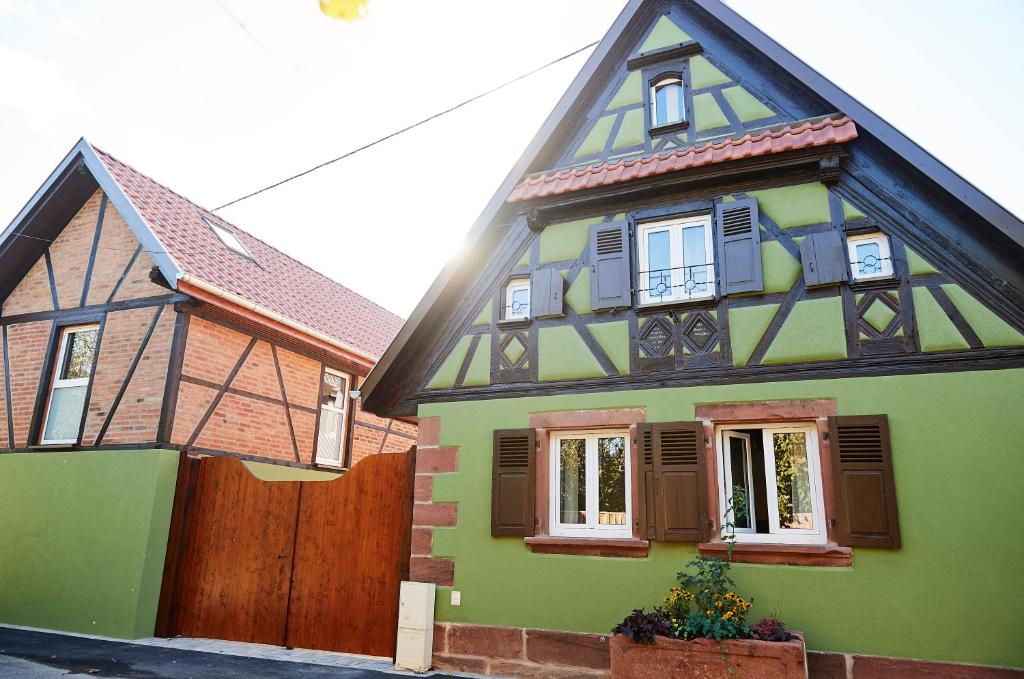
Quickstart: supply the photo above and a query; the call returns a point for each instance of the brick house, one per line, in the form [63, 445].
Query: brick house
[137, 326]
[715, 280]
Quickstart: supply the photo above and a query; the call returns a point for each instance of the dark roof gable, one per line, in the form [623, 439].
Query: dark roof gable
[974, 223]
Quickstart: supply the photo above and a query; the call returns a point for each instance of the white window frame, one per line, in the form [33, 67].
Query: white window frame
[727, 478]
[777, 535]
[884, 252]
[229, 239]
[666, 78]
[675, 227]
[515, 285]
[343, 396]
[592, 528]
[57, 383]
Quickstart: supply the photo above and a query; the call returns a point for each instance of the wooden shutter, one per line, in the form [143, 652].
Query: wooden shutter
[739, 244]
[823, 259]
[546, 293]
[678, 478]
[863, 479]
[644, 516]
[512, 482]
[609, 266]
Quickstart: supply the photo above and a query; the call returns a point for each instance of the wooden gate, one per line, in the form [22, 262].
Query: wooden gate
[302, 564]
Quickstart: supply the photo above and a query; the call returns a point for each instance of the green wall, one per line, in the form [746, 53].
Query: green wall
[953, 592]
[83, 539]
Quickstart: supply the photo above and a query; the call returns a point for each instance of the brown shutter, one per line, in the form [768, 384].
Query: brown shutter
[738, 233]
[680, 489]
[609, 266]
[546, 293]
[512, 482]
[863, 479]
[821, 255]
[644, 520]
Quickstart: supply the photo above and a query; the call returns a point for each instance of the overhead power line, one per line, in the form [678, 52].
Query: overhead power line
[407, 128]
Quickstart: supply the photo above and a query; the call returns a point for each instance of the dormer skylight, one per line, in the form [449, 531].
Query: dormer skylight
[230, 240]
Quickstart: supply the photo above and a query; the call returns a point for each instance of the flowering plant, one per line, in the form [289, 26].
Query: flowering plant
[704, 603]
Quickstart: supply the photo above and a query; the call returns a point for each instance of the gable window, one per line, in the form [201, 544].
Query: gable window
[590, 489]
[75, 356]
[772, 476]
[870, 256]
[517, 299]
[330, 444]
[667, 107]
[229, 239]
[677, 260]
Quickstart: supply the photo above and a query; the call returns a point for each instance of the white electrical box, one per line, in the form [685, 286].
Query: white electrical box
[415, 626]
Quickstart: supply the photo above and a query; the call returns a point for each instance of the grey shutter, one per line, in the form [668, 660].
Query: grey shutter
[865, 489]
[821, 255]
[680, 483]
[546, 293]
[609, 266]
[513, 485]
[738, 232]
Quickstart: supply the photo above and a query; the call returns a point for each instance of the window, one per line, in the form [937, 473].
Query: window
[869, 256]
[330, 444]
[75, 353]
[667, 105]
[590, 492]
[229, 239]
[772, 475]
[676, 260]
[517, 299]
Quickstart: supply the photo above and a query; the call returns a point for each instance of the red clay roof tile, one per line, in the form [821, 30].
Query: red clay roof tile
[275, 280]
[831, 130]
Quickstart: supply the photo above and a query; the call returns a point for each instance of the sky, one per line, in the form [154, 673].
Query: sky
[217, 98]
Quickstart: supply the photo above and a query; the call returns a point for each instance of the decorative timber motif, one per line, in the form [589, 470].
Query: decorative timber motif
[656, 345]
[699, 337]
[880, 323]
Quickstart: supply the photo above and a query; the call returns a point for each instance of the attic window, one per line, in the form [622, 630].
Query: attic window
[230, 240]
[667, 106]
[869, 256]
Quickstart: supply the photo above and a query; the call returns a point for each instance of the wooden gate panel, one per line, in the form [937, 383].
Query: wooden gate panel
[235, 571]
[351, 554]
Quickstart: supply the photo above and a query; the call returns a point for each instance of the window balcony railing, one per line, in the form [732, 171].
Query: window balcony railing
[680, 282]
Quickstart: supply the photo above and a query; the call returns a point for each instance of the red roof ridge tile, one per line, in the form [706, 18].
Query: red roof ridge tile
[350, 308]
[795, 135]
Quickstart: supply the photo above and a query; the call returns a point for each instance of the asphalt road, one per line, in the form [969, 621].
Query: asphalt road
[42, 655]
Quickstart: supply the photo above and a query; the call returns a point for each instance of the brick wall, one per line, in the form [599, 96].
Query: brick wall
[252, 418]
[431, 459]
[138, 415]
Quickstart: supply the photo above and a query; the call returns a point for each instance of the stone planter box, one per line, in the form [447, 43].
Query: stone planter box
[702, 658]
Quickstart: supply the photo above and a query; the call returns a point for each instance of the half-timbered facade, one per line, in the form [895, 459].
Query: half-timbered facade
[138, 327]
[716, 281]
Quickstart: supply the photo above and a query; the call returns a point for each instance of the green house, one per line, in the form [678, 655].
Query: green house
[716, 280]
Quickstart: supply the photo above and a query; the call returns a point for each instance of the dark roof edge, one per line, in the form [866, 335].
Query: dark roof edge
[436, 288]
[871, 122]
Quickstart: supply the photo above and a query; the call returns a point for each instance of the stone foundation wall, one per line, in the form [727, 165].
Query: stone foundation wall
[518, 652]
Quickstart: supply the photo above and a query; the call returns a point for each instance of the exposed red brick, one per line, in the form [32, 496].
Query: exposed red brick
[424, 489]
[27, 344]
[428, 569]
[436, 460]
[831, 130]
[440, 514]
[440, 639]
[871, 667]
[486, 641]
[568, 648]
[826, 665]
[422, 541]
[429, 432]
[455, 663]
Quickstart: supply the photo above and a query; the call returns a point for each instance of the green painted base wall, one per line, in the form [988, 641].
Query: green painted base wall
[83, 539]
[952, 593]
